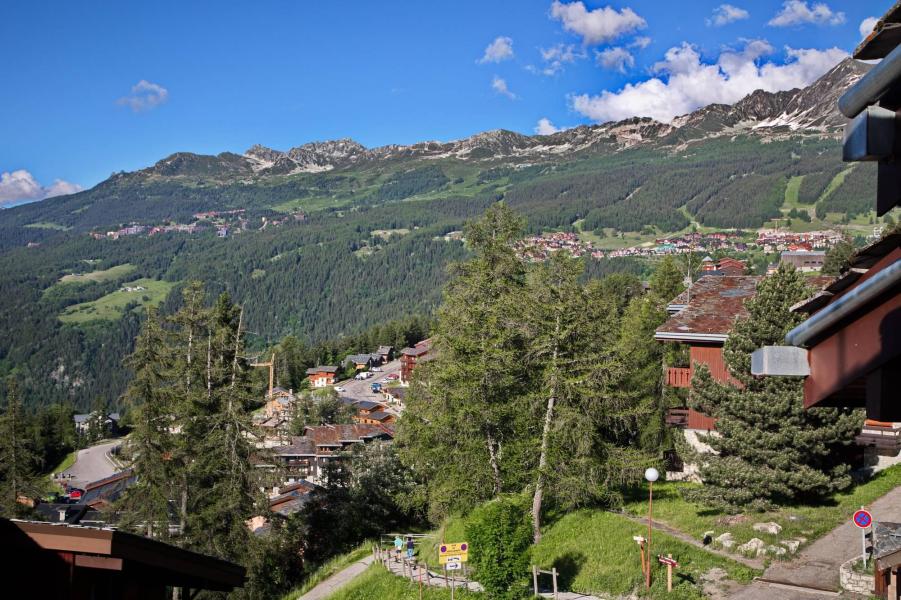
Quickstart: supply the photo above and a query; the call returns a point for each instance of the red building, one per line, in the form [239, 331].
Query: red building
[322, 376]
[702, 319]
[410, 357]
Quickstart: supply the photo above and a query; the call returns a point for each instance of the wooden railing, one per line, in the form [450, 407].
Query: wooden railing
[885, 436]
[679, 377]
[677, 417]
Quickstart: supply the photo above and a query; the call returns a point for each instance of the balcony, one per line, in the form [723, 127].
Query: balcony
[882, 436]
[679, 377]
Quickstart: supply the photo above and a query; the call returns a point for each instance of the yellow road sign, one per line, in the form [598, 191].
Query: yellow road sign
[460, 552]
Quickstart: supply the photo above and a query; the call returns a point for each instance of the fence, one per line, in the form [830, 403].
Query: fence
[536, 572]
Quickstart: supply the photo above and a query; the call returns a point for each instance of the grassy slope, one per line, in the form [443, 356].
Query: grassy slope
[377, 584]
[594, 552]
[809, 522]
[111, 306]
[331, 567]
[99, 276]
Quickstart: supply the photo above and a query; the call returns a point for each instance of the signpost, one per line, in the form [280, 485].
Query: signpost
[452, 556]
[863, 520]
[670, 562]
[454, 563]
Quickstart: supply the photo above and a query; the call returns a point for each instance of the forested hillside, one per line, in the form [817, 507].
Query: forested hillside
[330, 239]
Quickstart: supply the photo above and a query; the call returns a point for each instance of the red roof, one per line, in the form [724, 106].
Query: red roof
[711, 307]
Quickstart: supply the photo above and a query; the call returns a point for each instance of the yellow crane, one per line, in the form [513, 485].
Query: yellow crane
[271, 365]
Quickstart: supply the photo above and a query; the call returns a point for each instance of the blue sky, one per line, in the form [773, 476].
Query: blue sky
[91, 88]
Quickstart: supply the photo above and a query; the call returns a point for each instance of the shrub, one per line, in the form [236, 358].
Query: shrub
[500, 536]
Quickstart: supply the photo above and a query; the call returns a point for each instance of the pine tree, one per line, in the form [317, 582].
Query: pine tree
[771, 450]
[145, 506]
[460, 427]
[17, 458]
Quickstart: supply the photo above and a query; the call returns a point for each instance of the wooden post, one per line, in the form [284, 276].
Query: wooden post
[446, 584]
[453, 581]
[641, 552]
[535, 579]
[554, 575]
[669, 575]
[420, 582]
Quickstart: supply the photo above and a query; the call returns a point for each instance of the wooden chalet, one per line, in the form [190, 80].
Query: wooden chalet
[322, 376]
[410, 357]
[280, 403]
[306, 457]
[887, 553]
[386, 353]
[64, 562]
[702, 318]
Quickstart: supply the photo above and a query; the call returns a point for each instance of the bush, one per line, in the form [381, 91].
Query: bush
[500, 536]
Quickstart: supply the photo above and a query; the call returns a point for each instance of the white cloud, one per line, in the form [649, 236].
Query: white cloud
[499, 50]
[867, 26]
[798, 12]
[556, 57]
[545, 127]
[21, 185]
[499, 85]
[145, 96]
[685, 82]
[616, 58]
[727, 13]
[640, 42]
[596, 26]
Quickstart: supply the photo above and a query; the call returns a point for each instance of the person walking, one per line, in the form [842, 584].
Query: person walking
[398, 546]
[410, 547]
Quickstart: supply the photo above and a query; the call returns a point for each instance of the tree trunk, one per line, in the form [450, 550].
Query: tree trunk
[495, 467]
[538, 498]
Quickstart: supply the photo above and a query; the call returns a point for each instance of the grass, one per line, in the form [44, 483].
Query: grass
[48, 225]
[328, 569]
[791, 193]
[64, 464]
[810, 522]
[99, 276]
[835, 183]
[112, 306]
[594, 552]
[378, 584]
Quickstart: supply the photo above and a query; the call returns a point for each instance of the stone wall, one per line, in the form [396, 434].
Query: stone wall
[853, 581]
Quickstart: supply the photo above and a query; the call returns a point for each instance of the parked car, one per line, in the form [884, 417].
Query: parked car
[376, 369]
[376, 387]
[338, 388]
[391, 377]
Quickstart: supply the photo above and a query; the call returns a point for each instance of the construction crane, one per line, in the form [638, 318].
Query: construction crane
[271, 365]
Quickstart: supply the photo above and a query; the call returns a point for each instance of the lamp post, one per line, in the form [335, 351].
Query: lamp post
[651, 475]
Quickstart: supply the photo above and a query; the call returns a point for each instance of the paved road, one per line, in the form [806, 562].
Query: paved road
[92, 464]
[362, 390]
[816, 567]
[328, 587]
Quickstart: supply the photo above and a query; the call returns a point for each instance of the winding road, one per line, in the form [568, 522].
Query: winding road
[92, 464]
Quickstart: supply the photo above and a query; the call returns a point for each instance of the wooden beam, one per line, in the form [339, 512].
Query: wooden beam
[98, 562]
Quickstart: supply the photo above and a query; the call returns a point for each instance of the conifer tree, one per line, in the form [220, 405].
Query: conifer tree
[771, 450]
[145, 506]
[17, 458]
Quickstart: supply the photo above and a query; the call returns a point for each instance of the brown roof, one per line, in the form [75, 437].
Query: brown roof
[334, 435]
[299, 446]
[419, 349]
[710, 308]
[325, 369]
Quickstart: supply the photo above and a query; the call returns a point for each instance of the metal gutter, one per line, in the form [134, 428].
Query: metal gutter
[872, 86]
[691, 337]
[852, 301]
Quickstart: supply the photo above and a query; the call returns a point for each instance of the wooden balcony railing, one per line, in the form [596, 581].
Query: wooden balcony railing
[679, 377]
[885, 436]
[677, 417]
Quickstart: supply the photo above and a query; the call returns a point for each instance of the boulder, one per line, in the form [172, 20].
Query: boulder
[725, 540]
[771, 528]
[775, 550]
[753, 547]
[791, 545]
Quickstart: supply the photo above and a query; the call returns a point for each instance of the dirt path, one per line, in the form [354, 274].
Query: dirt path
[756, 563]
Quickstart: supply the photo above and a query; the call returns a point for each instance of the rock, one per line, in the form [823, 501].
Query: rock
[771, 528]
[731, 520]
[791, 545]
[776, 550]
[753, 547]
[725, 540]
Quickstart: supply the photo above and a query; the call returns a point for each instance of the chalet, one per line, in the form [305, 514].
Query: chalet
[410, 357]
[291, 498]
[887, 553]
[395, 394]
[104, 492]
[307, 456]
[280, 403]
[386, 353]
[804, 260]
[322, 376]
[363, 361]
[57, 560]
[702, 318]
[379, 417]
[109, 422]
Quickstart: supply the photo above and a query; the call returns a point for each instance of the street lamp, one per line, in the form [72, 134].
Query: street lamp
[651, 475]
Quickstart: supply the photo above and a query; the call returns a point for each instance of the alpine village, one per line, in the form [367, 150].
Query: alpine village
[639, 357]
